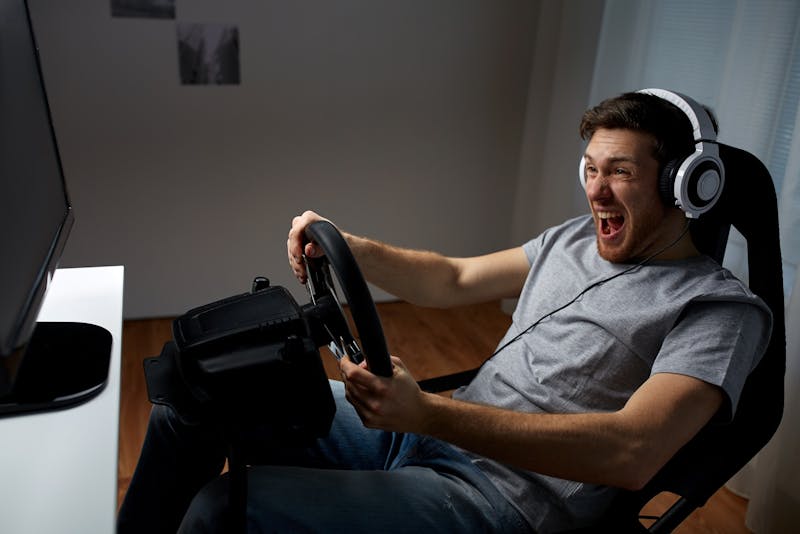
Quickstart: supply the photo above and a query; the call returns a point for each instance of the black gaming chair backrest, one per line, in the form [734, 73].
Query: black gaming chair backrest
[719, 451]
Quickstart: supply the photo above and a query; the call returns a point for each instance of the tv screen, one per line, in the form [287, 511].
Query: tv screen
[35, 212]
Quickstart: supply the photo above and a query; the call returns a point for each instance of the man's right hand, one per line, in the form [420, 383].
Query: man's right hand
[298, 244]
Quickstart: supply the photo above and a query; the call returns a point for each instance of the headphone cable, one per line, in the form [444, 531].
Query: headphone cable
[587, 289]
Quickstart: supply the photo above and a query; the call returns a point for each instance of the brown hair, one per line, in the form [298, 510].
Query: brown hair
[669, 126]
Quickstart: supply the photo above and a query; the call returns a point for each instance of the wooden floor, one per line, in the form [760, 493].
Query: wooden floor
[420, 336]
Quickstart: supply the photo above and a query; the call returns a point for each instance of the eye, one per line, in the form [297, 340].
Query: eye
[621, 171]
[591, 171]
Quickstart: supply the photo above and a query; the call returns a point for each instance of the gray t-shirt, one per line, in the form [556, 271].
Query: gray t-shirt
[689, 317]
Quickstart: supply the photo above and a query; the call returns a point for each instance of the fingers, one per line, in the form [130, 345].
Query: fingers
[397, 365]
[296, 244]
[356, 374]
[358, 391]
[363, 408]
[362, 390]
[361, 382]
[393, 404]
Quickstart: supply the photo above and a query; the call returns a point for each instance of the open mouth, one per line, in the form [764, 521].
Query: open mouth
[610, 222]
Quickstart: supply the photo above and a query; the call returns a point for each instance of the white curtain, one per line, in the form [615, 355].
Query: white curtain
[742, 58]
[774, 479]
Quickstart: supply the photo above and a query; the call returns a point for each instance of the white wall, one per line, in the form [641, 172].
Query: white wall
[548, 190]
[400, 120]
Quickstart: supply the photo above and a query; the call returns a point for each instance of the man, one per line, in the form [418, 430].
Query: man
[625, 342]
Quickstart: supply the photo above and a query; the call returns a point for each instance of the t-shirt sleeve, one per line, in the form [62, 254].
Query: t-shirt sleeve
[719, 343]
[532, 248]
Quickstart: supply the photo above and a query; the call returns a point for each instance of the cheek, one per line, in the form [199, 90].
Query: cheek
[644, 199]
[649, 220]
[645, 213]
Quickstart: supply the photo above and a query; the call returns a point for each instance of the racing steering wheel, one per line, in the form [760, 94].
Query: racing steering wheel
[365, 316]
[231, 358]
[243, 352]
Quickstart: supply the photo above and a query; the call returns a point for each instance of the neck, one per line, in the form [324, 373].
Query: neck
[681, 247]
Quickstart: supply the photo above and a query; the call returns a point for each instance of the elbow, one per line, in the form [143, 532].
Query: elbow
[444, 290]
[435, 298]
[631, 478]
[636, 467]
[635, 481]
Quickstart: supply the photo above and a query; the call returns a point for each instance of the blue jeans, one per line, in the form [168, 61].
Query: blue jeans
[355, 480]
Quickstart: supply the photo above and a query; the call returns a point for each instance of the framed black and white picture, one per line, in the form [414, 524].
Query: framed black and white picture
[208, 54]
[144, 9]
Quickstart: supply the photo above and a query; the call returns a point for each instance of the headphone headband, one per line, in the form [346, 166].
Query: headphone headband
[701, 122]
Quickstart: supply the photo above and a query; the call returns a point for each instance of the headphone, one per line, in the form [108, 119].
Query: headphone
[693, 184]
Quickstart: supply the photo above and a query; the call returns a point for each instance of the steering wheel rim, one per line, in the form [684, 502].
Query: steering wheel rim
[354, 287]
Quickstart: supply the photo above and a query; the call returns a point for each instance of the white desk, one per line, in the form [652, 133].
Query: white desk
[58, 470]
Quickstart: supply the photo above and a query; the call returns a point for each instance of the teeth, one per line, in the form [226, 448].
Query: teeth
[608, 214]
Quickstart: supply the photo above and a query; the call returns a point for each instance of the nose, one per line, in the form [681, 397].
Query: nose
[597, 187]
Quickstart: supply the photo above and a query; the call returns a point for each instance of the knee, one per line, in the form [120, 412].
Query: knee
[164, 419]
[161, 415]
[208, 511]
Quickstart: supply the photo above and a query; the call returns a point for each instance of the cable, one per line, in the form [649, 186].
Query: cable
[587, 289]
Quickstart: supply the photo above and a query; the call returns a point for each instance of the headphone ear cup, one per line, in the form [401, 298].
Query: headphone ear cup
[666, 182]
[582, 172]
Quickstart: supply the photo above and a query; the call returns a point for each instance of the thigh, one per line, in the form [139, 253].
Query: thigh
[296, 499]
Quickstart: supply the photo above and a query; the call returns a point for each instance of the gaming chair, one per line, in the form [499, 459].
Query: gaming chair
[718, 452]
[748, 202]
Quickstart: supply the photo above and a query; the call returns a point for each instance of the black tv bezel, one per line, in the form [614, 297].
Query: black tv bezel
[23, 328]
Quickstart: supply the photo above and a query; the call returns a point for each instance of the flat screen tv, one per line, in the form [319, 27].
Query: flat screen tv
[36, 360]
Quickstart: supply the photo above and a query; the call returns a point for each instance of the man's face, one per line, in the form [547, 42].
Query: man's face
[622, 190]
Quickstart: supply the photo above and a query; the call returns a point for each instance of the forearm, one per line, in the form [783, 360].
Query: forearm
[595, 448]
[431, 279]
[623, 448]
[420, 277]
[600, 448]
